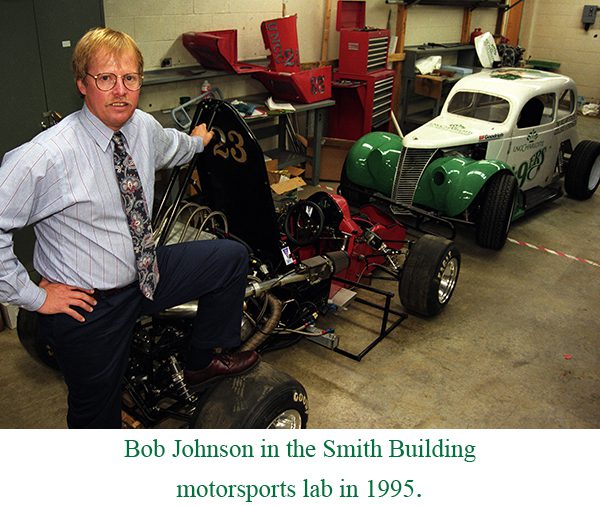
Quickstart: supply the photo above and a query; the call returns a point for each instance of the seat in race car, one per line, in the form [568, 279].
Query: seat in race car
[234, 179]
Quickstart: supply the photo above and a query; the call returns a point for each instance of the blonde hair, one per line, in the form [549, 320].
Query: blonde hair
[103, 39]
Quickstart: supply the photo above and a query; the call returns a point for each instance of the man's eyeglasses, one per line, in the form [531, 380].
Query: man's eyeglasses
[107, 81]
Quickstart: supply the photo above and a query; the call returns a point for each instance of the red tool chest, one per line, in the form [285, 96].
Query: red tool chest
[361, 105]
[362, 50]
[362, 86]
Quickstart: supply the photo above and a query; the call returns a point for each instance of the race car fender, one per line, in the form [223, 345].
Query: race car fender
[372, 161]
[450, 184]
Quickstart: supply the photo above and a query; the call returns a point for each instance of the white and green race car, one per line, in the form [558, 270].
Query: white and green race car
[505, 141]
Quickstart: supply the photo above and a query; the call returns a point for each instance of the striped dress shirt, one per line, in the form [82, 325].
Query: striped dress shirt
[63, 181]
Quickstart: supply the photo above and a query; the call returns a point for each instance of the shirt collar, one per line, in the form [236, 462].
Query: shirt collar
[103, 134]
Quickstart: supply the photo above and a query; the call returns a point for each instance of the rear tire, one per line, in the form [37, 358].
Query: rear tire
[583, 173]
[262, 398]
[32, 340]
[429, 275]
[499, 199]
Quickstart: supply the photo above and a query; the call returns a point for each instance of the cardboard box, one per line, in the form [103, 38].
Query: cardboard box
[333, 156]
[284, 180]
[288, 185]
[272, 171]
[429, 86]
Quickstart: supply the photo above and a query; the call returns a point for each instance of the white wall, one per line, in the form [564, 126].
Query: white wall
[157, 26]
[444, 24]
[552, 29]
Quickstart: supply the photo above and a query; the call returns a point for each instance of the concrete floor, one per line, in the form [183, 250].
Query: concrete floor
[517, 347]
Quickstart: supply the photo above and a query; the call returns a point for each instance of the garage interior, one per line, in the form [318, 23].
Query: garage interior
[518, 346]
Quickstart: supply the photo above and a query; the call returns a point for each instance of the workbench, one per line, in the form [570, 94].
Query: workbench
[289, 150]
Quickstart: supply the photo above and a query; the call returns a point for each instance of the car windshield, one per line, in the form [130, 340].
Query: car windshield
[479, 106]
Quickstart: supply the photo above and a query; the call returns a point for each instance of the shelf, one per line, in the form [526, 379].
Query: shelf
[428, 48]
[286, 158]
[172, 75]
[187, 73]
[457, 3]
[415, 88]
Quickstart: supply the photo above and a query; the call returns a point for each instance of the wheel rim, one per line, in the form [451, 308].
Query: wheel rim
[594, 175]
[448, 281]
[289, 419]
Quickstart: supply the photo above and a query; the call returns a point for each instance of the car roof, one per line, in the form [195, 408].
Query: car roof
[516, 84]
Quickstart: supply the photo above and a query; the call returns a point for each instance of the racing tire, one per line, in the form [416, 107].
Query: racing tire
[429, 275]
[583, 173]
[495, 214]
[32, 340]
[262, 398]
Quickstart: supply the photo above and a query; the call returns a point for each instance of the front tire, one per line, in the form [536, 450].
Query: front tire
[262, 398]
[499, 199]
[583, 173]
[429, 275]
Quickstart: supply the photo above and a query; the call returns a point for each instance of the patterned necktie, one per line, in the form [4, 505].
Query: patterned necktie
[138, 217]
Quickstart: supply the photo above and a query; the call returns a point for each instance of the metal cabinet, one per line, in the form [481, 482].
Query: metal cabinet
[36, 38]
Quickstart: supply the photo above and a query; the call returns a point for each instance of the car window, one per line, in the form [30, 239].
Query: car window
[566, 104]
[537, 111]
[479, 106]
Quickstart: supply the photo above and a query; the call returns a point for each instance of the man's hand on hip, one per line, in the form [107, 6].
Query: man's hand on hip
[60, 298]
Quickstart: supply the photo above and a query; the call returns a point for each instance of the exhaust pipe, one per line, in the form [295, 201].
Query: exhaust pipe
[312, 269]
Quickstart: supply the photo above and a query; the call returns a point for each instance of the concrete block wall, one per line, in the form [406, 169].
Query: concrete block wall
[444, 24]
[552, 29]
[157, 27]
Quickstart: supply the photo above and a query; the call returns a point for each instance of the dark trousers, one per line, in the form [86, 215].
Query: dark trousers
[93, 355]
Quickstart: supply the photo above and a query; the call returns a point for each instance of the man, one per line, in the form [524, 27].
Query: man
[87, 186]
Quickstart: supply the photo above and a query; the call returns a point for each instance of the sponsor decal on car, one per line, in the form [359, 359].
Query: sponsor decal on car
[531, 144]
[453, 127]
[513, 74]
[529, 168]
[565, 125]
[490, 137]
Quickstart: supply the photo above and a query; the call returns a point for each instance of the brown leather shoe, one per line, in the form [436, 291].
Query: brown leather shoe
[223, 364]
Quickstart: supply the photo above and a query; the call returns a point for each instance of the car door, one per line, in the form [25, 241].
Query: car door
[566, 127]
[533, 151]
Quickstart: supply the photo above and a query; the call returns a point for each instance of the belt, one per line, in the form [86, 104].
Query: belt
[113, 291]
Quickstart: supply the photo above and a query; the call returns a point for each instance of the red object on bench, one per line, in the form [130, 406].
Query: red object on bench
[305, 86]
[283, 77]
[281, 39]
[217, 50]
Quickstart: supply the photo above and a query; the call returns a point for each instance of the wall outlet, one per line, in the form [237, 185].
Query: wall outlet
[589, 14]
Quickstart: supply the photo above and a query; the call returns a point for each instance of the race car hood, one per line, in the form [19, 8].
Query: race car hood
[451, 130]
